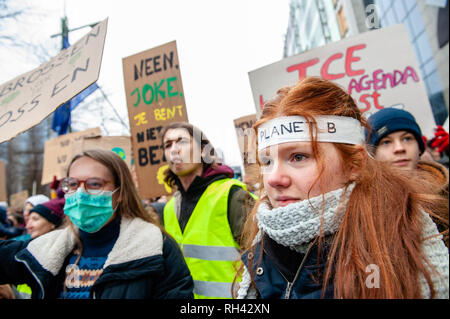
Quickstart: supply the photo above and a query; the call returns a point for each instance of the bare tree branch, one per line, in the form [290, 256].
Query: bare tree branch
[11, 15]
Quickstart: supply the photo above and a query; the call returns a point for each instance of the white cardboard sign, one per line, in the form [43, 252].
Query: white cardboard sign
[29, 98]
[378, 68]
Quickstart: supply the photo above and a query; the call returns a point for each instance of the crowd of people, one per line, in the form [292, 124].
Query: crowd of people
[358, 211]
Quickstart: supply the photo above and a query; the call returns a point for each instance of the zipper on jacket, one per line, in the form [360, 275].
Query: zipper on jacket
[34, 275]
[287, 293]
[289, 284]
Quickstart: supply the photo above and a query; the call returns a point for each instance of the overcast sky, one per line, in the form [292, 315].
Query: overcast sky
[218, 43]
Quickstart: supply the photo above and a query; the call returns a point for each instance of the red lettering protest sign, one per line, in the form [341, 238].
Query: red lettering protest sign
[378, 68]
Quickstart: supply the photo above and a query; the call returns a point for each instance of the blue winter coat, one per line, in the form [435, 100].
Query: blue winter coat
[305, 282]
[143, 263]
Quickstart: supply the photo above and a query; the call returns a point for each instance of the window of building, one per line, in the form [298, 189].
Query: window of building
[433, 83]
[407, 12]
[424, 46]
[389, 18]
[409, 4]
[417, 22]
[400, 10]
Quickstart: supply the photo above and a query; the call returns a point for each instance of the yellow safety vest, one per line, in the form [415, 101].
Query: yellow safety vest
[211, 253]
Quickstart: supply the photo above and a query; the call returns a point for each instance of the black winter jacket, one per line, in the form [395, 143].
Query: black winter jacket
[143, 263]
[281, 273]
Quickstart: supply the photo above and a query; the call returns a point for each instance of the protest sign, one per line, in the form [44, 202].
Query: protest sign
[58, 153]
[378, 68]
[247, 146]
[121, 145]
[246, 139]
[3, 196]
[17, 200]
[155, 98]
[29, 98]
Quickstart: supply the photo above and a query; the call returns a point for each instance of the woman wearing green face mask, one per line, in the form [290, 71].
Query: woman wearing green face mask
[110, 248]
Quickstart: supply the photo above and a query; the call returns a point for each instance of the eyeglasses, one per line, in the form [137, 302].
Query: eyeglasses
[92, 185]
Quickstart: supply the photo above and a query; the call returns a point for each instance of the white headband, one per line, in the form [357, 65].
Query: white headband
[331, 128]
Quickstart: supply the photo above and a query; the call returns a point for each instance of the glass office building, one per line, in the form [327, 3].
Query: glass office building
[314, 23]
[408, 12]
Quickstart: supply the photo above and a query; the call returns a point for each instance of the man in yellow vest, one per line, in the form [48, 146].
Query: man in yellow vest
[207, 212]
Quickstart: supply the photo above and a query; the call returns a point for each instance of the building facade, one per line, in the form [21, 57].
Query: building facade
[311, 24]
[314, 23]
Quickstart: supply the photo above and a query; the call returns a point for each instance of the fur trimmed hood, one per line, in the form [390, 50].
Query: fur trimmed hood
[137, 239]
[144, 263]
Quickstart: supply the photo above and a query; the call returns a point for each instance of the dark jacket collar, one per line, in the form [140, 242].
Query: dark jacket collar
[209, 175]
[271, 274]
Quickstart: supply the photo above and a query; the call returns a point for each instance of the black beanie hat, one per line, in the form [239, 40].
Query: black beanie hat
[390, 120]
[52, 210]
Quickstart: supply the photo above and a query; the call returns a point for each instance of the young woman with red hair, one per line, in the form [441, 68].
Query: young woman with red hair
[332, 222]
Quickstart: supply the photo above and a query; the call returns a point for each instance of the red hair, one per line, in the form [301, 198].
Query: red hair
[382, 224]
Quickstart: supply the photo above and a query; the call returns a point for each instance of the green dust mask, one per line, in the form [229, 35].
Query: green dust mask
[89, 212]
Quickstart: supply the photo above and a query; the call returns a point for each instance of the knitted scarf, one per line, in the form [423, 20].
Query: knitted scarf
[297, 224]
